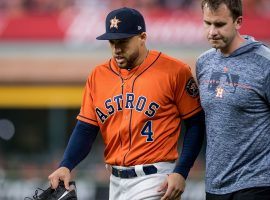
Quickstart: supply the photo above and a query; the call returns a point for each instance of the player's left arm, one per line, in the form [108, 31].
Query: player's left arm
[192, 144]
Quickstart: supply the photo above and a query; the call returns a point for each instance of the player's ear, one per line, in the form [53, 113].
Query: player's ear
[143, 37]
[238, 22]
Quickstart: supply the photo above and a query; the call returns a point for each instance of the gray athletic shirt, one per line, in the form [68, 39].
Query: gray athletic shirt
[235, 95]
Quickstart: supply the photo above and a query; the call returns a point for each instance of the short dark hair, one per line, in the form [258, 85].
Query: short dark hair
[235, 6]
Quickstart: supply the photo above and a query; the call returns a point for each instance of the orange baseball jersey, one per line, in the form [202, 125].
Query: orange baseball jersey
[139, 111]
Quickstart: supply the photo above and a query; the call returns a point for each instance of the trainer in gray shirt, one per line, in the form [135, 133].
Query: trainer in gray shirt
[235, 95]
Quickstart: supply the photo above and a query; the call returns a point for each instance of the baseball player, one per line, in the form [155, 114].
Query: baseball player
[137, 100]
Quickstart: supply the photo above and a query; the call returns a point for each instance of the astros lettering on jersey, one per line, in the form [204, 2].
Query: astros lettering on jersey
[139, 111]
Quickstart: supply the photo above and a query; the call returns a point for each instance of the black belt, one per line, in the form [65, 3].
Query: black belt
[131, 173]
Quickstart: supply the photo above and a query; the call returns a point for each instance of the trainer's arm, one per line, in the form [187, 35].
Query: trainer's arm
[79, 145]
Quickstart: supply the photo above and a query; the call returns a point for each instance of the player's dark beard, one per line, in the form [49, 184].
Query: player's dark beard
[132, 60]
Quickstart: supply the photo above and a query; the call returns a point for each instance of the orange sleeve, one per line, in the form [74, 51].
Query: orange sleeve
[187, 93]
[87, 113]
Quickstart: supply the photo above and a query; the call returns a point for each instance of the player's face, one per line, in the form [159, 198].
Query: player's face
[220, 28]
[126, 52]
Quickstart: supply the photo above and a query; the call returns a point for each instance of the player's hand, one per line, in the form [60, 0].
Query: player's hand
[61, 173]
[174, 187]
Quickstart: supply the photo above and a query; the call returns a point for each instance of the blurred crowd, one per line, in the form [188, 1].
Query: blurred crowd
[18, 7]
[52, 6]
[13, 7]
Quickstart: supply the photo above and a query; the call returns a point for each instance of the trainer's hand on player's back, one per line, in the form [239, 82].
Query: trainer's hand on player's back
[174, 187]
[61, 173]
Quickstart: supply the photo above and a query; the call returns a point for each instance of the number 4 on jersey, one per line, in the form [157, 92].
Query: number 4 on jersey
[147, 131]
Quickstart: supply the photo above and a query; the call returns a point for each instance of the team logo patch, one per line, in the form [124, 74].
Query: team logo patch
[192, 88]
[114, 23]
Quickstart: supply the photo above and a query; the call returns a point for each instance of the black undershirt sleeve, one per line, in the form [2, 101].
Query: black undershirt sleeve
[192, 144]
[79, 145]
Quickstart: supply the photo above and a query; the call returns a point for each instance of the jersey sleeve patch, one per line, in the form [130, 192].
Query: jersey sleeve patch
[192, 88]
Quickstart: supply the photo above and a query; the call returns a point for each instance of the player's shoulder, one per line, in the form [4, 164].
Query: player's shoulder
[101, 67]
[172, 63]
[172, 60]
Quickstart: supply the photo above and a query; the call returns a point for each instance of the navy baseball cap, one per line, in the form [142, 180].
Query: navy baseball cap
[123, 23]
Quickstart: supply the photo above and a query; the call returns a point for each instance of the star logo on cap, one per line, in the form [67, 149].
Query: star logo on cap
[114, 23]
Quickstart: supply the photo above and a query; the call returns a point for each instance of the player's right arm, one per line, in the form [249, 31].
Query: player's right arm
[79, 145]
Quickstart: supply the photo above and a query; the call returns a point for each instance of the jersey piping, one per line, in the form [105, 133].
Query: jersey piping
[135, 77]
[88, 118]
[191, 112]
[130, 120]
